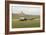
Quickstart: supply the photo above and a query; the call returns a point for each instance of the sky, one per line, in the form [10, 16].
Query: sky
[26, 10]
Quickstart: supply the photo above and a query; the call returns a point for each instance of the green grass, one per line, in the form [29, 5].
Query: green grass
[25, 24]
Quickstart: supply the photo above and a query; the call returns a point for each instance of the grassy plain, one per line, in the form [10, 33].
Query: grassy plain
[26, 24]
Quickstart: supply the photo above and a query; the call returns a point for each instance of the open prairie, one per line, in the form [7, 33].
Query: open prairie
[26, 24]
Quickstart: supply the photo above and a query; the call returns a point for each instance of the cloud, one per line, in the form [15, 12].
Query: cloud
[26, 10]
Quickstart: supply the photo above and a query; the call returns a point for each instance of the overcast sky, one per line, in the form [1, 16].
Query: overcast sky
[26, 10]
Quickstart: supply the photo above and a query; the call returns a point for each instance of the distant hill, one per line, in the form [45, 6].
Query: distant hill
[17, 15]
[20, 14]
